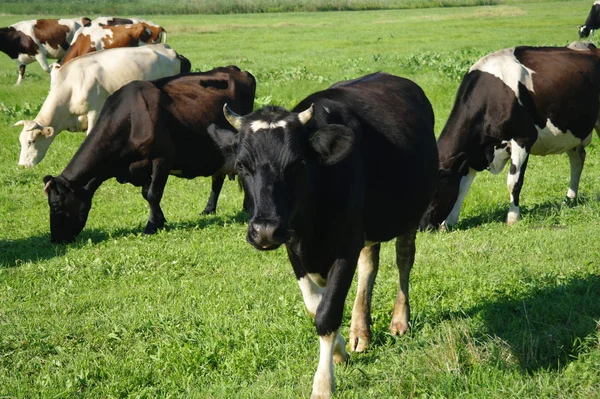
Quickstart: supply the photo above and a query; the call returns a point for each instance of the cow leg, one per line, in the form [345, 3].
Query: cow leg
[463, 189]
[92, 117]
[41, 59]
[21, 73]
[360, 327]
[405, 257]
[215, 189]
[576, 161]
[518, 157]
[328, 321]
[153, 193]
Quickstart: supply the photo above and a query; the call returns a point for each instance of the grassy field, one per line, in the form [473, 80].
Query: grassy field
[195, 312]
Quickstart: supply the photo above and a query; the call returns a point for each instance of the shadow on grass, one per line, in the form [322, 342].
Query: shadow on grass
[538, 212]
[546, 329]
[15, 252]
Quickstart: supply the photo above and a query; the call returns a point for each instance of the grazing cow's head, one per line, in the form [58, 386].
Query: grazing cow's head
[274, 153]
[69, 208]
[446, 194]
[584, 31]
[35, 140]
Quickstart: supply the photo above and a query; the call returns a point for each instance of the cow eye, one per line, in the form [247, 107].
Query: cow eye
[30, 142]
[241, 168]
[296, 166]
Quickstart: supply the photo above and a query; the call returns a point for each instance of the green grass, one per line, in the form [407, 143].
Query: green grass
[196, 312]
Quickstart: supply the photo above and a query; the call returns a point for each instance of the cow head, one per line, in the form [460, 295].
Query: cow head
[450, 175]
[69, 208]
[584, 31]
[35, 140]
[274, 154]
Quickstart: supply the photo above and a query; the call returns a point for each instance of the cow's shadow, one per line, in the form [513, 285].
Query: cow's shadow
[537, 212]
[547, 328]
[14, 253]
[544, 330]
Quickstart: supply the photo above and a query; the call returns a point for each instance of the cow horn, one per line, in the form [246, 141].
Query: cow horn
[19, 123]
[305, 115]
[234, 119]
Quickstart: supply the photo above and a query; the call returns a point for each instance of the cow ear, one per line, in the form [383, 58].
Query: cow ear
[48, 131]
[48, 183]
[226, 140]
[332, 143]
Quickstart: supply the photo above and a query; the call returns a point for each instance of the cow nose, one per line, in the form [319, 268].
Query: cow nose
[262, 234]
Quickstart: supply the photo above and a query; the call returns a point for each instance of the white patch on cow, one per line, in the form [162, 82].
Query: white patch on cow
[597, 2]
[97, 36]
[324, 382]
[518, 156]
[504, 65]
[552, 140]
[463, 189]
[501, 155]
[579, 46]
[260, 125]
[311, 293]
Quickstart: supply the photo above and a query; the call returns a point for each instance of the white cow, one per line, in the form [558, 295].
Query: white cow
[79, 89]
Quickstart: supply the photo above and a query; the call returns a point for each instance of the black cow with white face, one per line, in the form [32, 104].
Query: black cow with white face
[348, 168]
[513, 103]
[592, 22]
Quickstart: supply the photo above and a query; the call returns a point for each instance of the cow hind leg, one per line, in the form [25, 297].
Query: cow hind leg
[576, 161]
[519, 157]
[360, 327]
[153, 193]
[215, 190]
[465, 185]
[405, 257]
[21, 73]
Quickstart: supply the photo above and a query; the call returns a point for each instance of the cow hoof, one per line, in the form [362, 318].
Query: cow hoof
[512, 218]
[341, 358]
[358, 342]
[398, 328]
[208, 211]
[152, 228]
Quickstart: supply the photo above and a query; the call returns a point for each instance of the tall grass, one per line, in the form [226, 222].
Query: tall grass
[136, 7]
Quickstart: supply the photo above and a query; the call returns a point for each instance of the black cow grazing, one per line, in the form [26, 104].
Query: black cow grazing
[592, 22]
[146, 131]
[512, 103]
[350, 167]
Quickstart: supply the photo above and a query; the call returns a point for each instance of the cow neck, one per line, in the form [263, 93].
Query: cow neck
[56, 109]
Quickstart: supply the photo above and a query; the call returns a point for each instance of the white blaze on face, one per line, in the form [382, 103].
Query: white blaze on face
[34, 144]
[552, 140]
[504, 65]
[260, 125]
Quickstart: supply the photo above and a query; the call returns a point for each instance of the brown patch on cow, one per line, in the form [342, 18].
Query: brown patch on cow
[82, 45]
[49, 31]
[126, 35]
[14, 42]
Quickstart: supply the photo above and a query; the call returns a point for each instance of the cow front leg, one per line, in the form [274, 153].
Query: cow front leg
[463, 189]
[405, 258]
[215, 189]
[360, 327]
[516, 174]
[41, 59]
[153, 193]
[576, 161]
[21, 73]
[328, 321]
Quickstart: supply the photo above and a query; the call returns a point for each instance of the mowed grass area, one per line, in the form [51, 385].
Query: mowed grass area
[196, 312]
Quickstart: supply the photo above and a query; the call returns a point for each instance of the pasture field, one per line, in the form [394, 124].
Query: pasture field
[195, 312]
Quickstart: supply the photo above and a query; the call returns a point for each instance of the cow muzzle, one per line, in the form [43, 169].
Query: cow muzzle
[266, 236]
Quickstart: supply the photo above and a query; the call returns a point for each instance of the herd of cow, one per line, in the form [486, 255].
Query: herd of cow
[348, 168]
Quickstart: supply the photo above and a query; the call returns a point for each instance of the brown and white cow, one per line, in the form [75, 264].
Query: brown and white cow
[513, 103]
[94, 38]
[159, 34]
[80, 88]
[38, 40]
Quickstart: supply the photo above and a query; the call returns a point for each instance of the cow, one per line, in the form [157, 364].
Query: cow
[28, 41]
[592, 22]
[94, 38]
[159, 34]
[146, 132]
[348, 168]
[80, 88]
[513, 103]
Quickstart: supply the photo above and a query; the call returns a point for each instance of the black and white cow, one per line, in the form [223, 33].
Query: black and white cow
[513, 103]
[350, 167]
[592, 22]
